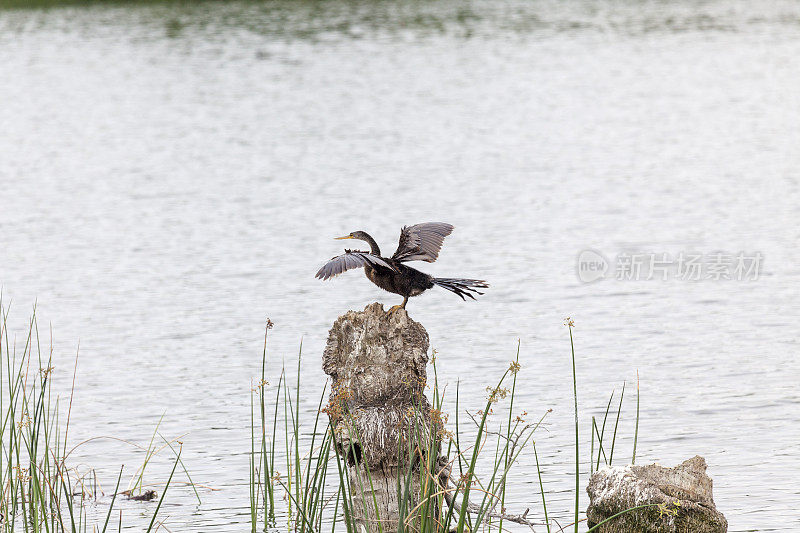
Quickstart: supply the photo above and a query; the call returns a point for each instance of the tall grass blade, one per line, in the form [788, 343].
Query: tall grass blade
[541, 489]
[164, 493]
[113, 499]
[616, 425]
[636, 432]
[577, 445]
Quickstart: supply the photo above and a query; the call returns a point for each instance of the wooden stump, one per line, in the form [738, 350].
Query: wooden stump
[378, 408]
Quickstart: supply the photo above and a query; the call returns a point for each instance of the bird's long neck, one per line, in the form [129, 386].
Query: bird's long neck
[374, 248]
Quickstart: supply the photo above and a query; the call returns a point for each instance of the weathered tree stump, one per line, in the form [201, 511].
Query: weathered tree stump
[680, 498]
[377, 407]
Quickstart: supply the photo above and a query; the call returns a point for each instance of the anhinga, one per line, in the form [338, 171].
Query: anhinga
[420, 242]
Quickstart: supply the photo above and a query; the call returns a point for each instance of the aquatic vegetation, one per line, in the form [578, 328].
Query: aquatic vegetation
[451, 479]
[41, 490]
[447, 476]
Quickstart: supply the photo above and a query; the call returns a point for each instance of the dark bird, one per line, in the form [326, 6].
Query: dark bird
[420, 242]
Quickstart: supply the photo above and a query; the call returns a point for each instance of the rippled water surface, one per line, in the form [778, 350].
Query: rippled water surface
[172, 174]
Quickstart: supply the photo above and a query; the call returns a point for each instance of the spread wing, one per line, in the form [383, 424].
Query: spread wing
[422, 242]
[349, 260]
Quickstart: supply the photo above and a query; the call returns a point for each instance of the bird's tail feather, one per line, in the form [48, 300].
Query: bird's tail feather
[462, 287]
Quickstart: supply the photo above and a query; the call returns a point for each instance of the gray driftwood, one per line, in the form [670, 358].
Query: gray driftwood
[614, 489]
[377, 364]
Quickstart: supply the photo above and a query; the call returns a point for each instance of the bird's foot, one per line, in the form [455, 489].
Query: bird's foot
[394, 308]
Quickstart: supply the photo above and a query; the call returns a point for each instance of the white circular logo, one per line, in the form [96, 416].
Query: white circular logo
[591, 266]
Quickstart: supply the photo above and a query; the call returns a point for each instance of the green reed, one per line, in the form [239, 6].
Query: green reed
[444, 481]
[40, 491]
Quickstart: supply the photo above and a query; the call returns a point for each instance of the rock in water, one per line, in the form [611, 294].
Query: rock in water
[378, 410]
[681, 497]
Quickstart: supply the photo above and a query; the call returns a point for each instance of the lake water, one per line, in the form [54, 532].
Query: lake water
[173, 174]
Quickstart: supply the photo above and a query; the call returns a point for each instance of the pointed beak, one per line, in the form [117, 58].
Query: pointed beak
[345, 237]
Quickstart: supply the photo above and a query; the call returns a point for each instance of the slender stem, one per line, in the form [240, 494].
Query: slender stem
[113, 499]
[164, 494]
[541, 488]
[603, 432]
[596, 526]
[616, 425]
[577, 454]
[636, 433]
